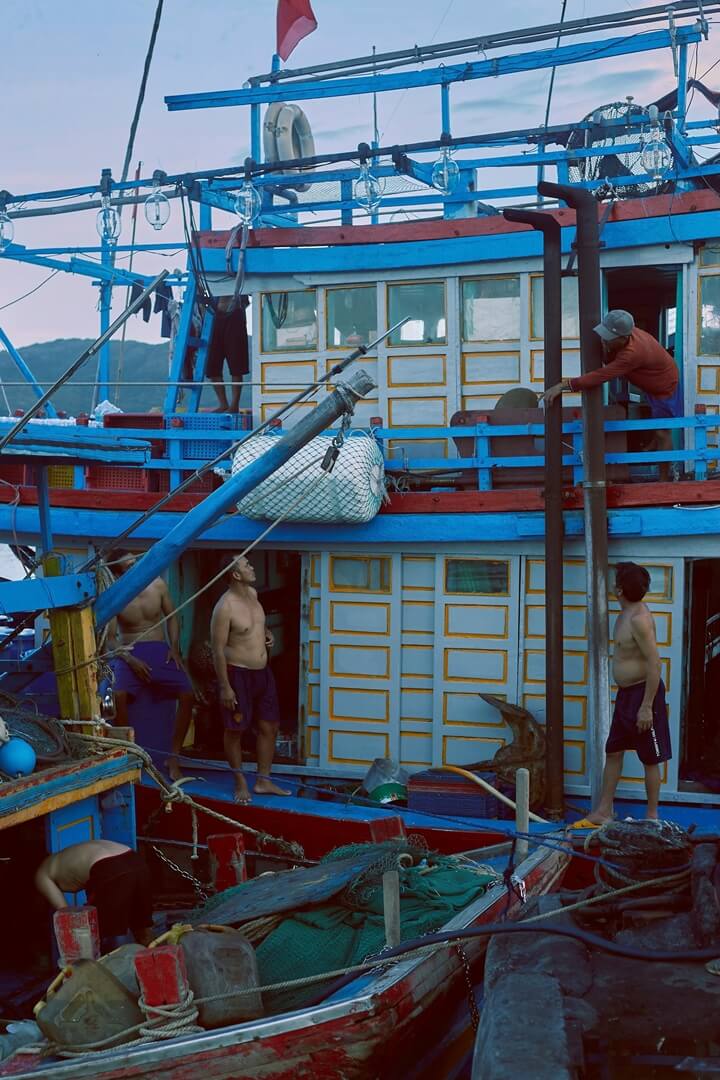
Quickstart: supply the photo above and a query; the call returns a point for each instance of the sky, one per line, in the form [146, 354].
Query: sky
[71, 71]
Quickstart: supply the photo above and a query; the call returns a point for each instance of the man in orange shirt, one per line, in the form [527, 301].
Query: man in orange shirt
[637, 356]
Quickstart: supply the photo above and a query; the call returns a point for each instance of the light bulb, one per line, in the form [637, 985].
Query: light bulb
[157, 209]
[248, 203]
[107, 222]
[367, 189]
[7, 230]
[445, 173]
[656, 157]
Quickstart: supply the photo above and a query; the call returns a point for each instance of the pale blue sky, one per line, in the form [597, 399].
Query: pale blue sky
[71, 70]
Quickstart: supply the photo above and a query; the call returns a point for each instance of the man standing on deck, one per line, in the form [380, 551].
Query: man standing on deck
[240, 644]
[634, 355]
[229, 342]
[151, 660]
[115, 878]
[640, 720]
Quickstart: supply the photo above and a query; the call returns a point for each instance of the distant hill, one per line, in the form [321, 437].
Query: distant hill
[47, 360]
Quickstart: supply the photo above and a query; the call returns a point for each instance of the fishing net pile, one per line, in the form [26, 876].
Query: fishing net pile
[348, 927]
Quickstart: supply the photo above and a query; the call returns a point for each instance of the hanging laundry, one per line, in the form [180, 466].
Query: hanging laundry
[135, 291]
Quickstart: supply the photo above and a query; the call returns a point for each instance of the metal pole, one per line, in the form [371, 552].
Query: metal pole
[25, 370]
[85, 355]
[201, 517]
[103, 372]
[554, 528]
[594, 488]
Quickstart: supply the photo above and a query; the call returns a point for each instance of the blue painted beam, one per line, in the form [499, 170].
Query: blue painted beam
[579, 53]
[36, 594]
[22, 523]
[75, 776]
[25, 371]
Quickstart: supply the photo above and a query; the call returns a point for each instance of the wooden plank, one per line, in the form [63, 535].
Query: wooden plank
[100, 499]
[82, 629]
[414, 231]
[391, 907]
[65, 798]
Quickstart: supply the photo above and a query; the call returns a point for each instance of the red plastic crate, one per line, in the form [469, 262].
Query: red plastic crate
[118, 478]
[14, 472]
[139, 420]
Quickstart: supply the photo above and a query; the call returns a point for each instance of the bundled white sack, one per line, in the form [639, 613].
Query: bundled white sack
[353, 492]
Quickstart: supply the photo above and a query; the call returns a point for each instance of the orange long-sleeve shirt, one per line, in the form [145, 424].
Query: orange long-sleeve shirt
[643, 361]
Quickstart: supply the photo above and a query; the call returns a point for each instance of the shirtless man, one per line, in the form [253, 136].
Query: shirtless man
[150, 661]
[240, 643]
[640, 720]
[115, 878]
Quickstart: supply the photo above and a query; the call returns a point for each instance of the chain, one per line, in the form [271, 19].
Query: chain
[197, 885]
[472, 1003]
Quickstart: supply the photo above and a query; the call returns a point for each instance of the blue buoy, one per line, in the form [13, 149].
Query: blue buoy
[17, 758]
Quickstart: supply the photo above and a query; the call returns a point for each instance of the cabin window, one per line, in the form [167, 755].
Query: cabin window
[570, 308]
[710, 253]
[424, 304]
[491, 309]
[710, 314]
[351, 316]
[355, 573]
[489, 577]
[289, 321]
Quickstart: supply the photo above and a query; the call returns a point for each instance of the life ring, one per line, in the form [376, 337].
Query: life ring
[287, 135]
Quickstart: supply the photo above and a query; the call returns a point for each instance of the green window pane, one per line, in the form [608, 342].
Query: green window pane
[710, 315]
[491, 309]
[424, 306]
[570, 309]
[351, 317]
[710, 253]
[289, 321]
[365, 575]
[486, 576]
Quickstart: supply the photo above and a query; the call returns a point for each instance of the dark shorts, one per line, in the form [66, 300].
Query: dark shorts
[168, 681]
[257, 699]
[229, 342]
[651, 746]
[665, 406]
[119, 887]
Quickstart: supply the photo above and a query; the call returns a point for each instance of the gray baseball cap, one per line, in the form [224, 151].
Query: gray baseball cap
[616, 324]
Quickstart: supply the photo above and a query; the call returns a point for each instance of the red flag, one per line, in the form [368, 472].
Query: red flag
[295, 20]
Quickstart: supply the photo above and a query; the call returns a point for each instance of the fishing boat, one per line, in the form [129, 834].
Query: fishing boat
[478, 574]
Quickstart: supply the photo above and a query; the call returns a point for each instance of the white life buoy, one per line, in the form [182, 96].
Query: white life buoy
[287, 135]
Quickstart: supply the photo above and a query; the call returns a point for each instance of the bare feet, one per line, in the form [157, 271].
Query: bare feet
[265, 786]
[242, 792]
[173, 767]
[598, 818]
[221, 409]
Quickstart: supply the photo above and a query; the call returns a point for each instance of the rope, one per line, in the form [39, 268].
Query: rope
[173, 793]
[167, 1021]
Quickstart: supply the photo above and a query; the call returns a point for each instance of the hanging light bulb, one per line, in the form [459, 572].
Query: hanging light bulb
[7, 229]
[655, 156]
[107, 221]
[445, 172]
[248, 203]
[367, 189]
[157, 205]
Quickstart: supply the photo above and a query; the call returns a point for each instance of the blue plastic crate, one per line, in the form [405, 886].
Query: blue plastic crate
[438, 792]
[207, 449]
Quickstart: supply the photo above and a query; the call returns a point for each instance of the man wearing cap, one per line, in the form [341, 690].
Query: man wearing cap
[637, 356]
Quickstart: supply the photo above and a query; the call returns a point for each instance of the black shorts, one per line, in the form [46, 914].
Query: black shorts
[119, 887]
[651, 746]
[229, 342]
[257, 698]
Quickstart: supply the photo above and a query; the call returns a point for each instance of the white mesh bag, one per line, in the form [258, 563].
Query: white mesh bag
[353, 492]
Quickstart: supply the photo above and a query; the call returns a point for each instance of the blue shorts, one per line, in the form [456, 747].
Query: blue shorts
[257, 698]
[665, 406]
[651, 746]
[166, 680]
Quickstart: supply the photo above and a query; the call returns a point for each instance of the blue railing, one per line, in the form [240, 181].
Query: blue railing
[695, 458]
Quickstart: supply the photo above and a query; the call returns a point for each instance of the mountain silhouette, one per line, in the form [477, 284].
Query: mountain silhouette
[131, 363]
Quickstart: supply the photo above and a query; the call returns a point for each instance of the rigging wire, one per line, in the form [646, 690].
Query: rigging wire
[30, 292]
[553, 70]
[141, 93]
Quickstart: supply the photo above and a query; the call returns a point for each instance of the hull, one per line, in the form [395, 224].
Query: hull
[362, 1030]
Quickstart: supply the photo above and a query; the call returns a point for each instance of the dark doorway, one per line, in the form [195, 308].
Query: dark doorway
[700, 729]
